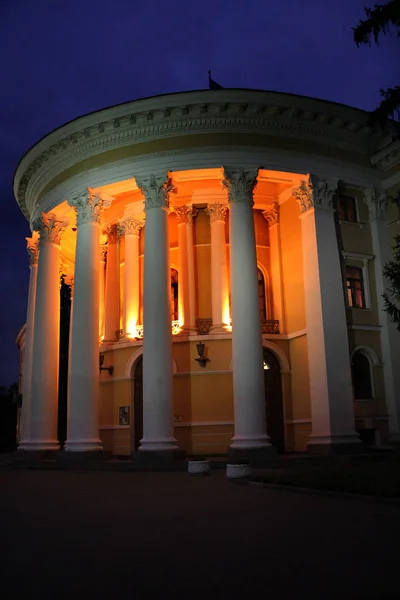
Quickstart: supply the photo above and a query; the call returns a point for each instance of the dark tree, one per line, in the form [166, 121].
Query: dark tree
[392, 273]
[382, 19]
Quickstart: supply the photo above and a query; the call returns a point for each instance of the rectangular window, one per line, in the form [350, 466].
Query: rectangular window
[347, 209]
[355, 287]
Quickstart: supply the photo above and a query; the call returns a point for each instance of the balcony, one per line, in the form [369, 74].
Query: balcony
[203, 327]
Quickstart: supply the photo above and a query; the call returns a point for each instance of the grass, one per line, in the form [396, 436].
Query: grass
[381, 479]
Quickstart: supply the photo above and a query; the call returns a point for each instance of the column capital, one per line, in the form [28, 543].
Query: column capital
[315, 193]
[130, 226]
[271, 215]
[240, 184]
[88, 207]
[69, 280]
[50, 228]
[216, 211]
[32, 246]
[156, 190]
[377, 200]
[103, 251]
[112, 232]
[185, 214]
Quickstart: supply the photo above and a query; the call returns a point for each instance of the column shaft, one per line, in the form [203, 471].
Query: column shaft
[333, 425]
[131, 227]
[102, 281]
[184, 216]
[272, 217]
[247, 353]
[157, 351]
[112, 297]
[33, 251]
[83, 393]
[46, 340]
[390, 339]
[219, 269]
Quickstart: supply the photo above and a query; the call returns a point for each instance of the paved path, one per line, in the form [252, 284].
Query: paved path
[169, 535]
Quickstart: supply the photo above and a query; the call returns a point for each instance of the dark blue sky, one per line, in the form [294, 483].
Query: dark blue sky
[64, 58]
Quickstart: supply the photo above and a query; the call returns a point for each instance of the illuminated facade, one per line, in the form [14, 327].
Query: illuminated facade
[245, 225]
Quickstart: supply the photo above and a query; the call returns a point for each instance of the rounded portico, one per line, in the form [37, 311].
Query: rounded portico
[195, 226]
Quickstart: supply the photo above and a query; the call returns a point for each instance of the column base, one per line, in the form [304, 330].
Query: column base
[26, 455]
[222, 328]
[157, 459]
[94, 445]
[158, 445]
[187, 331]
[38, 446]
[256, 457]
[77, 456]
[335, 444]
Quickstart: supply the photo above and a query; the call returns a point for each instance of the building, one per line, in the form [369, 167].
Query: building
[224, 250]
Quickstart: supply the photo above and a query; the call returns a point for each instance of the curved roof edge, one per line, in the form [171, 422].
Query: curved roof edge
[170, 94]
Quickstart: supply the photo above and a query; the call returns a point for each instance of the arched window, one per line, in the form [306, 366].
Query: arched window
[362, 376]
[174, 295]
[261, 295]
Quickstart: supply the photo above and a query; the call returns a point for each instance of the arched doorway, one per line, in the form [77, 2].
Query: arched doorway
[137, 401]
[274, 400]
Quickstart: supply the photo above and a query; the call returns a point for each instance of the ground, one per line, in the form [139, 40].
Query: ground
[116, 535]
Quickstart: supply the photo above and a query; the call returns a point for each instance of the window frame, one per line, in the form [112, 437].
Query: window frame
[353, 259]
[355, 209]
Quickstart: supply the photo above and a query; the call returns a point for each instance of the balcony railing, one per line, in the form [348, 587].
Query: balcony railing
[203, 327]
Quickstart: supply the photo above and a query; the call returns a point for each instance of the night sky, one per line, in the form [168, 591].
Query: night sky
[64, 58]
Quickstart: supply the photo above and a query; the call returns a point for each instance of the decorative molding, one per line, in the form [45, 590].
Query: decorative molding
[156, 190]
[377, 200]
[112, 232]
[266, 113]
[32, 246]
[216, 211]
[50, 228]
[103, 252]
[364, 258]
[272, 215]
[388, 157]
[89, 207]
[240, 184]
[314, 193]
[69, 280]
[185, 214]
[298, 421]
[130, 226]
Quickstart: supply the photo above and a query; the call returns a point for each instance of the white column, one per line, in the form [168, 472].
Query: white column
[219, 269]
[83, 393]
[376, 200]
[158, 430]
[69, 280]
[247, 353]
[191, 322]
[186, 291]
[33, 251]
[333, 427]
[272, 217]
[111, 304]
[46, 340]
[131, 226]
[102, 281]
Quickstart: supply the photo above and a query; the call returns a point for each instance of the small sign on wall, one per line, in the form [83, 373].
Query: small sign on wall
[124, 415]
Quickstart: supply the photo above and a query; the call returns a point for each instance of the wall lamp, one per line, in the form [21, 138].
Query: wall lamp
[202, 359]
[101, 361]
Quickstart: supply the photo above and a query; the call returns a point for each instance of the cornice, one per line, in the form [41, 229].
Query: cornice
[388, 157]
[62, 150]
